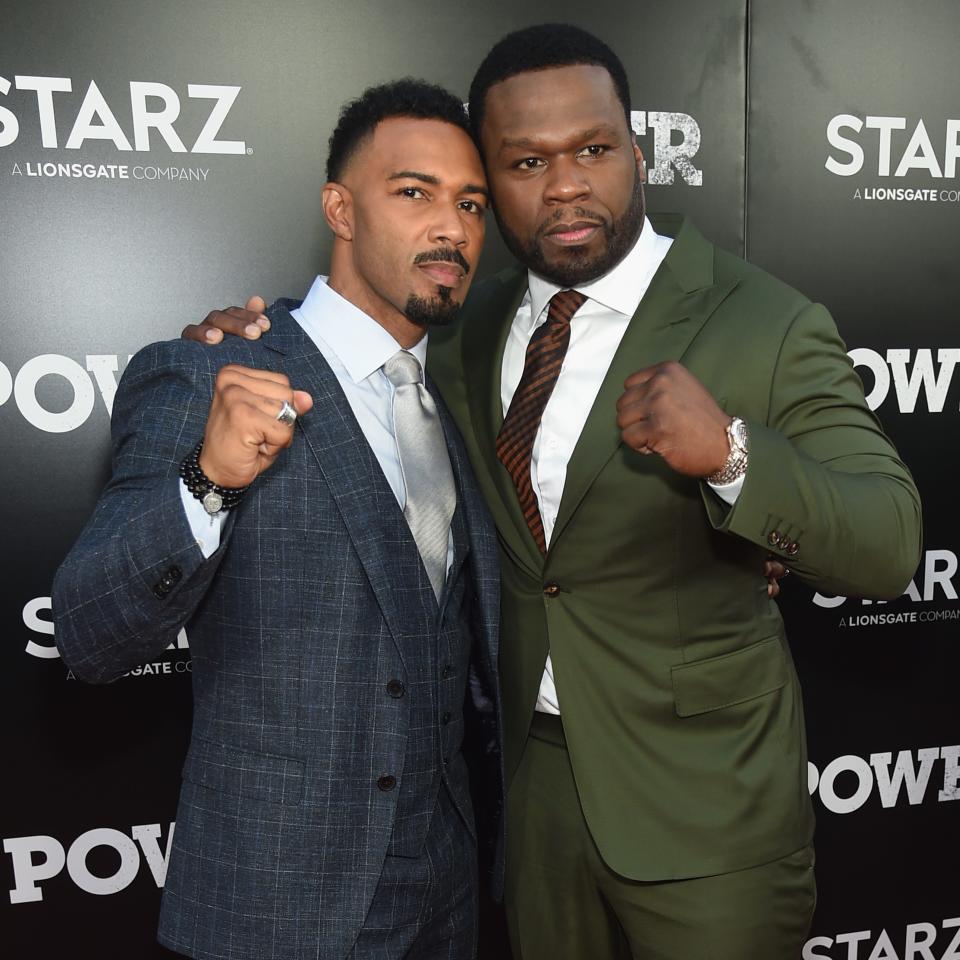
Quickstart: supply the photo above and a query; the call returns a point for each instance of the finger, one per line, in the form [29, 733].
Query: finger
[637, 437]
[201, 333]
[302, 402]
[254, 379]
[258, 305]
[641, 376]
[634, 411]
[235, 321]
[773, 568]
[635, 394]
[773, 589]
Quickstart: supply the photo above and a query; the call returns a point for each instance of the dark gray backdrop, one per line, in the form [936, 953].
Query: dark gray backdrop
[92, 268]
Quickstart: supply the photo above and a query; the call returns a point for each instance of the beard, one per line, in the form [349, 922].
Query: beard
[439, 310]
[432, 311]
[576, 266]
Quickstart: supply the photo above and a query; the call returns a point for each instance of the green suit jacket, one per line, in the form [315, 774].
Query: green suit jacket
[680, 701]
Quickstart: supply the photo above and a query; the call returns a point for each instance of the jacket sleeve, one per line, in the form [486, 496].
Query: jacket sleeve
[825, 490]
[136, 574]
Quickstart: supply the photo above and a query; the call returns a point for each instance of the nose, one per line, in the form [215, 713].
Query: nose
[566, 182]
[448, 227]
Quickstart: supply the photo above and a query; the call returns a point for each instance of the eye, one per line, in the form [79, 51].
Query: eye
[529, 163]
[594, 150]
[412, 193]
[471, 206]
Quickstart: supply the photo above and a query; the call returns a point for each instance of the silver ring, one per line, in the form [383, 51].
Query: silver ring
[287, 414]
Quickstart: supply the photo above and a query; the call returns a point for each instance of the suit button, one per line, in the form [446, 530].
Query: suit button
[551, 590]
[446, 671]
[174, 573]
[792, 549]
[160, 590]
[445, 719]
[386, 782]
[774, 538]
[395, 689]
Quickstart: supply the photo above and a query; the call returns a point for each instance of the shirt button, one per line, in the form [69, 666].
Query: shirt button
[446, 671]
[395, 688]
[445, 719]
[386, 782]
[551, 590]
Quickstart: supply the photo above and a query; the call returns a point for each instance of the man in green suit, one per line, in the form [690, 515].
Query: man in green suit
[643, 443]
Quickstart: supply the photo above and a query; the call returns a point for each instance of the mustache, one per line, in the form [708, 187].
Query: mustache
[571, 213]
[443, 255]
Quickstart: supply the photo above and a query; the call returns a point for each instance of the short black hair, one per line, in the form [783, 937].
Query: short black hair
[539, 48]
[399, 98]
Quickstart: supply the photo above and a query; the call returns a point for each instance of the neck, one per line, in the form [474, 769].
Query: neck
[345, 280]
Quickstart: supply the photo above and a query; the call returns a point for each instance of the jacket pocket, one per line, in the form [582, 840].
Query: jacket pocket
[731, 678]
[259, 776]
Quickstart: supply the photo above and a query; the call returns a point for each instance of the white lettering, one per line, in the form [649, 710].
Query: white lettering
[45, 88]
[161, 121]
[851, 147]
[903, 773]
[95, 106]
[224, 97]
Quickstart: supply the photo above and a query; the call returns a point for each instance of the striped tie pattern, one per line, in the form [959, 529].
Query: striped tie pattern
[545, 353]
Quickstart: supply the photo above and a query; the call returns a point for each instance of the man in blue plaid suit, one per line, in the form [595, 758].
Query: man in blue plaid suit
[258, 494]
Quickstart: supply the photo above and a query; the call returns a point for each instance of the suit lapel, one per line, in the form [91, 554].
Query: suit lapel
[483, 345]
[364, 498]
[678, 302]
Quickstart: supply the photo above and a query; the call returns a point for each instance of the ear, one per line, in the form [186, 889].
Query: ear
[338, 209]
[638, 155]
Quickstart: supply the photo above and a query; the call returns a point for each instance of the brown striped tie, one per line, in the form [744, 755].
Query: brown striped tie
[545, 353]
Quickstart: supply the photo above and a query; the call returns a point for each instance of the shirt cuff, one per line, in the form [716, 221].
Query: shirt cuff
[205, 526]
[728, 492]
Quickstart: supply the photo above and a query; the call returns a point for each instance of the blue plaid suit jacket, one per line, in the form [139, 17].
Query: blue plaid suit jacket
[296, 626]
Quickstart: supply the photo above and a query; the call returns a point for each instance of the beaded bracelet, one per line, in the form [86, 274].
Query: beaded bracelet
[213, 497]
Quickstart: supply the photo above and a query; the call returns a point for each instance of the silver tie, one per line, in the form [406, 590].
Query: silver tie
[425, 463]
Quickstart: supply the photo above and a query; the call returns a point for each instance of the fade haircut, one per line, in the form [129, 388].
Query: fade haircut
[541, 47]
[400, 98]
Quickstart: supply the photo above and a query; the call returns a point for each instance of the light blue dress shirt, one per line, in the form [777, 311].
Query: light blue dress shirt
[356, 347]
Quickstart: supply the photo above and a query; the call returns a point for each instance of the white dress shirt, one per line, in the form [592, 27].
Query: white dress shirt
[356, 347]
[595, 333]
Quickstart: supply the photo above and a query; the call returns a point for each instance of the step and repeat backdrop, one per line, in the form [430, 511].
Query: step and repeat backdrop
[161, 160]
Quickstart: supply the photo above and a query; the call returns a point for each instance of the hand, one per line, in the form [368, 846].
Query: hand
[665, 410]
[248, 322]
[243, 435]
[774, 571]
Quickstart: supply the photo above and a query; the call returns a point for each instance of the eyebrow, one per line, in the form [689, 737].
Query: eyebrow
[435, 181]
[581, 135]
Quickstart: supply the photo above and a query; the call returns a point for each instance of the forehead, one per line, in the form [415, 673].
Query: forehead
[433, 147]
[544, 104]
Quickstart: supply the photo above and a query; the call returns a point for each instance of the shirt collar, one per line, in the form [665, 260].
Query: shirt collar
[619, 289]
[361, 344]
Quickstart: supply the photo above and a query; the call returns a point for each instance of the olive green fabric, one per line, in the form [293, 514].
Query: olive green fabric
[680, 701]
[565, 903]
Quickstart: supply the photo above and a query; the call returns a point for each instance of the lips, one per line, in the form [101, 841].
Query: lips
[574, 233]
[446, 274]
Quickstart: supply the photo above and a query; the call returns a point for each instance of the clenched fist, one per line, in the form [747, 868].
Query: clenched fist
[665, 410]
[243, 435]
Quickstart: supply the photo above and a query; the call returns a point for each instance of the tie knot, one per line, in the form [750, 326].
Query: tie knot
[403, 368]
[564, 305]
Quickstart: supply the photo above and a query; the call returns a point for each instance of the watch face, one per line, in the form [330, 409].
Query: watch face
[212, 502]
[739, 430]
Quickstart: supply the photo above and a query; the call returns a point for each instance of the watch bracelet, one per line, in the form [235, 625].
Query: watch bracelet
[199, 484]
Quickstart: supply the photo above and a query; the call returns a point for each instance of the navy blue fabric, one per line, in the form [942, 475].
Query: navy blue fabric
[301, 626]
